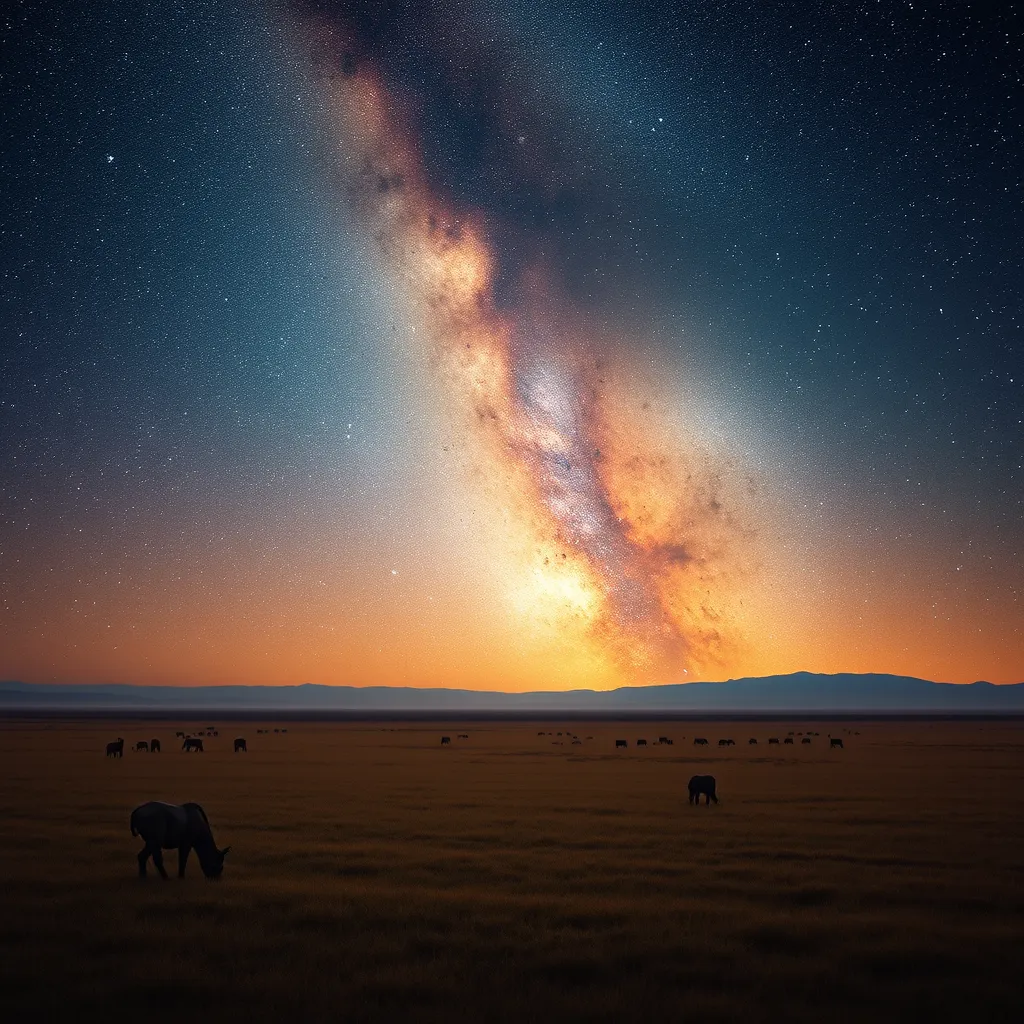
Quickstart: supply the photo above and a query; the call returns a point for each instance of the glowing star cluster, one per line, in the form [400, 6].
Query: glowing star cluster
[615, 526]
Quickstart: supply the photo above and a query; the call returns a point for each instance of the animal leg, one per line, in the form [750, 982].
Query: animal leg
[183, 852]
[158, 860]
[143, 857]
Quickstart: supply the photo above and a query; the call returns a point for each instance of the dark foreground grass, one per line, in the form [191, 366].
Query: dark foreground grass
[375, 875]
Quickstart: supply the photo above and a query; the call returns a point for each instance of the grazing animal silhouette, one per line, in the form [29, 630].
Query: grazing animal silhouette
[806, 739]
[723, 743]
[463, 735]
[154, 746]
[835, 742]
[240, 745]
[192, 743]
[752, 742]
[173, 827]
[621, 743]
[641, 743]
[445, 740]
[116, 749]
[179, 735]
[702, 784]
[788, 739]
[142, 745]
[774, 739]
[699, 741]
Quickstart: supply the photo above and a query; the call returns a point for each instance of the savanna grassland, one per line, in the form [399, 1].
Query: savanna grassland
[375, 875]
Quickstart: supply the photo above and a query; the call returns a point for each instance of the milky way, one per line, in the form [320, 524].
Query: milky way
[625, 535]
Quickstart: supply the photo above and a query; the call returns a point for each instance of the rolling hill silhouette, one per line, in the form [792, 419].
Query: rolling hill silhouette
[800, 691]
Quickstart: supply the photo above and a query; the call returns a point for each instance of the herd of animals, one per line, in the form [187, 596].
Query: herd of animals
[185, 827]
[189, 742]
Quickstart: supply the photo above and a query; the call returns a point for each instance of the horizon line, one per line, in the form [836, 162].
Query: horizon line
[511, 693]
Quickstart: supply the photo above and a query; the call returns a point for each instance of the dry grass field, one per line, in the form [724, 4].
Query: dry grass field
[375, 875]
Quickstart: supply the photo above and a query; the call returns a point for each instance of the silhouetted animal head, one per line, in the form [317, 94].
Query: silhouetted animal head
[214, 866]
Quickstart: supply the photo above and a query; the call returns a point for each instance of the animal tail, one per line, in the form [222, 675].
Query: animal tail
[131, 822]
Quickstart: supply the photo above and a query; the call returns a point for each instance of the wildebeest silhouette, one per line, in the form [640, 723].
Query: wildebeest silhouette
[788, 739]
[723, 743]
[116, 749]
[154, 746]
[752, 742]
[641, 743]
[806, 739]
[173, 827]
[699, 741]
[621, 743]
[445, 740]
[142, 745]
[774, 739]
[240, 745]
[835, 742]
[702, 784]
[192, 743]
[463, 736]
[179, 735]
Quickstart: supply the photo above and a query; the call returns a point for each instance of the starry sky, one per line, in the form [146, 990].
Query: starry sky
[510, 345]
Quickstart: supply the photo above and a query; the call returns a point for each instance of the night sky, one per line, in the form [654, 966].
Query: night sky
[510, 345]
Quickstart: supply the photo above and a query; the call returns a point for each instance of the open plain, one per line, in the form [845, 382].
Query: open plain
[375, 874]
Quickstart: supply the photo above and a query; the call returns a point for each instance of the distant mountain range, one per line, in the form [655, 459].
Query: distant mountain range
[798, 692]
